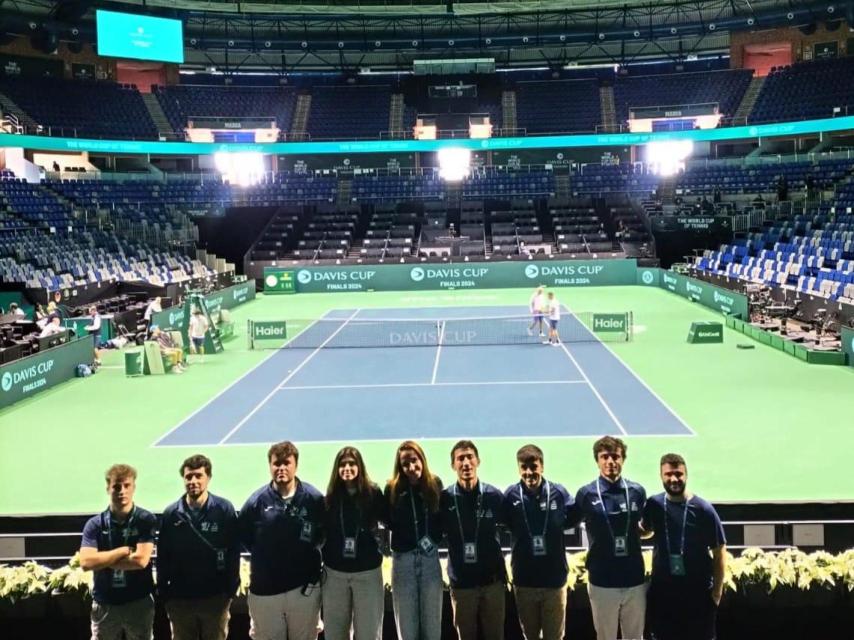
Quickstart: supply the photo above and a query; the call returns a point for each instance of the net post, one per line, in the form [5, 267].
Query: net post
[630, 327]
[249, 333]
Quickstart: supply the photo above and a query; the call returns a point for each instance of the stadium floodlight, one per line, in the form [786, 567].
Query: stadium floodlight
[668, 158]
[454, 163]
[244, 168]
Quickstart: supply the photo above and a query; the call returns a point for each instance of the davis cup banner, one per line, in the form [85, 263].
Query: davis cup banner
[469, 275]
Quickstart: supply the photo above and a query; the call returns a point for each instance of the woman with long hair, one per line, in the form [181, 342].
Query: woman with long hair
[353, 594]
[413, 518]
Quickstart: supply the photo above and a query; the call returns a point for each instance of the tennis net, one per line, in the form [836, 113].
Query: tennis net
[355, 332]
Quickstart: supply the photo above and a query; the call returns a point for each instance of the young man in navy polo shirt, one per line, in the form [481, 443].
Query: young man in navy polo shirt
[611, 507]
[470, 511]
[537, 512]
[198, 557]
[280, 525]
[117, 546]
[689, 558]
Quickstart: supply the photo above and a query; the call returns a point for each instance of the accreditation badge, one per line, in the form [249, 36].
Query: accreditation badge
[677, 564]
[426, 545]
[349, 550]
[305, 534]
[119, 579]
[621, 547]
[220, 560]
[470, 553]
[538, 543]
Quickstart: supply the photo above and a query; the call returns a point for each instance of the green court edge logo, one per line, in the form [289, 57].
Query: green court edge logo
[271, 281]
[647, 277]
[304, 276]
[417, 274]
[532, 271]
[7, 381]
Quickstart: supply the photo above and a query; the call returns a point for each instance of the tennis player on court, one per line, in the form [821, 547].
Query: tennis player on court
[553, 312]
[536, 307]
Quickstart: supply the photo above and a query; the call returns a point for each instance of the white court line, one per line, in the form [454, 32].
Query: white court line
[393, 385]
[285, 381]
[594, 389]
[449, 439]
[636, 377]
[273, 353]
[438, 353]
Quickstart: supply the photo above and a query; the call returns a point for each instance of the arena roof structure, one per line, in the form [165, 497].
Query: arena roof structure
[388, 35]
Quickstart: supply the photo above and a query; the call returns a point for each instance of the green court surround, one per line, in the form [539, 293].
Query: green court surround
[768, 425]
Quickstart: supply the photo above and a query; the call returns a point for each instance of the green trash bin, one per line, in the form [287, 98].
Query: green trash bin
[133, 362]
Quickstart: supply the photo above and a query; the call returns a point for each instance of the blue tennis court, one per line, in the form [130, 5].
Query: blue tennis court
[454, 389]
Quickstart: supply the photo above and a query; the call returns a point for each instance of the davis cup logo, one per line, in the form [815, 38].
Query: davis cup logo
[271, 281]
[417, 274]
[532, 271]
[647, 277]
[7, 381]
[304, 276]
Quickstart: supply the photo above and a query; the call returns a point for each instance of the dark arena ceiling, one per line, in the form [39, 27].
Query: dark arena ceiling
[388, 35]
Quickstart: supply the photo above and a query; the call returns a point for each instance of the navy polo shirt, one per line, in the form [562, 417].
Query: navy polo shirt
[410, 519]
[283, 538]
[605, 569]
[703, 532]
[360, 523]
[198, 552]
[547, 512]
[483, 504]
[103, 533]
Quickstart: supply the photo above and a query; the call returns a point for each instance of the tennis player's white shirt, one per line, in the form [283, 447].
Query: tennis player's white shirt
[198, 326]
[536, 304]
[554, 310]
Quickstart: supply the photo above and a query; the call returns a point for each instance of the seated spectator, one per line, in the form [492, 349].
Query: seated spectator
[53, 327]
[14, 309]
[59, 308]
[168, 348]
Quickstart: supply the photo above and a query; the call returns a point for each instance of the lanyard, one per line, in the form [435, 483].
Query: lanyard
[358, 517]
[477, 513]
[108, 525]
[684, 526]
[415, 514]
[190, 520]
[525, 510]
[605, 509]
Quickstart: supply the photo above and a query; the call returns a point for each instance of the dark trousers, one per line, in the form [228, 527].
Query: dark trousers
[681, 611]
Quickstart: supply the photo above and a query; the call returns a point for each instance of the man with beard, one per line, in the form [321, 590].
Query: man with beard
[198, 557]
[689, 558]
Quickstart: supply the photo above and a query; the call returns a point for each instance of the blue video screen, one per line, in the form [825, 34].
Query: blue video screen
[129, 35]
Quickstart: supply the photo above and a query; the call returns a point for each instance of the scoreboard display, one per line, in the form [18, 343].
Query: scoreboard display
[130, 35]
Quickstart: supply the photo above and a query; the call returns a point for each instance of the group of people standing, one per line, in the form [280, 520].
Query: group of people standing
[313, 552]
